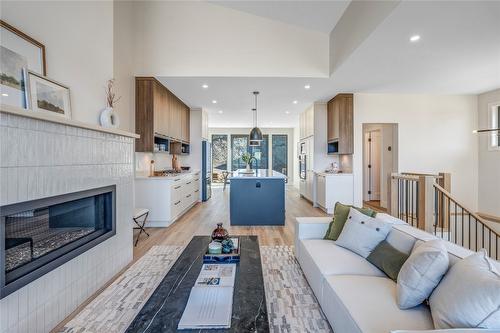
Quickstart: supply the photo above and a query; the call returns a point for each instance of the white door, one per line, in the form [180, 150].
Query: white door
[373, 150]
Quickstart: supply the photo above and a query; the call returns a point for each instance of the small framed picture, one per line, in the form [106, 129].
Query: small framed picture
[48, 96]
[18, 53]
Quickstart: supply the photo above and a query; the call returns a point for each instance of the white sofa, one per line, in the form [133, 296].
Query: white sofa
[356, 296]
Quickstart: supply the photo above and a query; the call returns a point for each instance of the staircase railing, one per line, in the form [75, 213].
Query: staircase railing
[461, 226]
[411, 197]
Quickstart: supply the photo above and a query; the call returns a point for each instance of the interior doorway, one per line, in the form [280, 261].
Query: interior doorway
[380, 160]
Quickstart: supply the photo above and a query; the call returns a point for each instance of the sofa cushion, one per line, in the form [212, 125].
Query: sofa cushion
[319, 258]
[469, 295]
[367, 304]
[388, 259]
[421, 273]
[361, 234]
[340, 215]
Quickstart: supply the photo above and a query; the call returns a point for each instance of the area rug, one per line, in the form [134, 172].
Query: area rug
[115, 308]
[291, 304]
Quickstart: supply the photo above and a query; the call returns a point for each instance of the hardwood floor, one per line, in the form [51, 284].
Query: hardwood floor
[375, 205]
[203, 218]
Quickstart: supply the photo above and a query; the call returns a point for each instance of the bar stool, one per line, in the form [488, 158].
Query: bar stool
[138, 213]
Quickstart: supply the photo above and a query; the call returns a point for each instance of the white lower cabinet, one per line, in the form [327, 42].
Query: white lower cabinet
[331, 188]
[167, 198]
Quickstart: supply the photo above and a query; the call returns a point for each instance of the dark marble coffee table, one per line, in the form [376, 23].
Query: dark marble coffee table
[164, 308]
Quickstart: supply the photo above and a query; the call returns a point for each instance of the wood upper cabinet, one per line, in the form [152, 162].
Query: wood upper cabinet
[333, 120]
[340, 122]
[158, 112]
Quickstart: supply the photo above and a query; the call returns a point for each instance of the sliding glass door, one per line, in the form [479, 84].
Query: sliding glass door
[219, 156]
[280, 153]
[261, 154]
[239, 146]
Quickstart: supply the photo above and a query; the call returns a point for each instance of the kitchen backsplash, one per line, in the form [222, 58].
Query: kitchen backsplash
[162, 161]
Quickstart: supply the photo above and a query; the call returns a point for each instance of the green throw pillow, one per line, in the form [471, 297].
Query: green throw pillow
[340, 215]
[388, 259]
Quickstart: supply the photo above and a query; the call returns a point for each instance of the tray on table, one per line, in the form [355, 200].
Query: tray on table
[232, 257]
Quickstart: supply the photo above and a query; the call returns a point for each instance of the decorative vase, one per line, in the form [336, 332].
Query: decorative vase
[219, 234]
[248, 167]
[109, 118]
[227, 245]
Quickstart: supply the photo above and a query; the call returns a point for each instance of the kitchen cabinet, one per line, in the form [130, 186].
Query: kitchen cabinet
[204, 125]
[167, 198]
[332, 188]
[306, 123]
[159, 113]
[340, 123]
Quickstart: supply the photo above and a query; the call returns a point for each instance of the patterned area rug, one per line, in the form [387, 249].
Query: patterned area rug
[115, 308]
[291, 304]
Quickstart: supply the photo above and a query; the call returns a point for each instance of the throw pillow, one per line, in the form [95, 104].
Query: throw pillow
[469, 295]
[361, 233]
[421, 273]
[389, 260]
[339, 218]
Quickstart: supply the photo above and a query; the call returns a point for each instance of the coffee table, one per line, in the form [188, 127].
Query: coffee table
[164, 308]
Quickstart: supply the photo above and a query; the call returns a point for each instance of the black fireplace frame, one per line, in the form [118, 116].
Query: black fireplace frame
[61, 255]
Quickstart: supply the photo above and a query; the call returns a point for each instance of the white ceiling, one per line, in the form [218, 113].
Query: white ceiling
[459, 53]
[315, 15]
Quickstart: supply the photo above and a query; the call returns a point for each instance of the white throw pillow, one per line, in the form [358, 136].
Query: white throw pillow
[469, 295]
[361, 233]
[421, 273]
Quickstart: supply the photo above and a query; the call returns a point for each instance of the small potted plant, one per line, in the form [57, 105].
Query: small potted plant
[247, 158]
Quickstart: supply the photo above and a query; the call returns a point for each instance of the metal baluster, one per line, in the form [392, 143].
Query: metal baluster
[462, 222]
[469, 233]
[406, 199]
[436, 209]
[455, 240]
[482, 236]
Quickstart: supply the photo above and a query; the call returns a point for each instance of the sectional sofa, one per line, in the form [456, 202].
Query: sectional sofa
[356, 296]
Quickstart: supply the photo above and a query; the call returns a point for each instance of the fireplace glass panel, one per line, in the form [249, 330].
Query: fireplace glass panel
[37, 236]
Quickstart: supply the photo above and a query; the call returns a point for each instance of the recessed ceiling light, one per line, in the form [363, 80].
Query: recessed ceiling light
[307, 86]
[220, 111]
[4, 94]
[295, 102]
[287, 112]
[414, 38]
[214, 101]
[205, 86]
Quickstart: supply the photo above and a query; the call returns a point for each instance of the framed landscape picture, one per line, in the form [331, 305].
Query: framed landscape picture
[18, 53]
[48, 96]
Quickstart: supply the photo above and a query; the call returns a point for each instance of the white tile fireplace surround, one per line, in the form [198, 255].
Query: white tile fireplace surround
[40, 159]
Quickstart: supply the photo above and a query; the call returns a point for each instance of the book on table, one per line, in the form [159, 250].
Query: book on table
[210, 303]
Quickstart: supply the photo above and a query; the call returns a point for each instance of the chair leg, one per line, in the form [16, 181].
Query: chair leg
[140, 227]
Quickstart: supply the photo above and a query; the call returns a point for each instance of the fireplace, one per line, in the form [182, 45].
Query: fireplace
[40, 235]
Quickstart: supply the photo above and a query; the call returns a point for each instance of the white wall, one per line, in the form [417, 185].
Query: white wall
[124, 62]
[196, 38]
[292, 172]
[78, 37]
[435, 134]
[489, 160]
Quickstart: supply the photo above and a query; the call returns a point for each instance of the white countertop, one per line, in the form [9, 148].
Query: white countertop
[328, 174]
[145, 175]
[257, 173]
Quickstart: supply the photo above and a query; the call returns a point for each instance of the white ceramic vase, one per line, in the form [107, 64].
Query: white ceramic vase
[109, 118]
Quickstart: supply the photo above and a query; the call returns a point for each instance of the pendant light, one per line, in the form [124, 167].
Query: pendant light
[255, 133]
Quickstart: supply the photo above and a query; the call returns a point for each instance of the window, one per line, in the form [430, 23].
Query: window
[219, 152]
[239, 146]
[494, 117]
[280, 153]
[261, 154]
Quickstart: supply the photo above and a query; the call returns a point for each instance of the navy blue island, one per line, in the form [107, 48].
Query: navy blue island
[257, 198]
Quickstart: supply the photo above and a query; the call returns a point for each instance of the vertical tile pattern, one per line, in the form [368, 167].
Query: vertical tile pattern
[42, 159]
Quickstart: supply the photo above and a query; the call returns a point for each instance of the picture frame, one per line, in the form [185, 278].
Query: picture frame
[18, 54]
[48, 96]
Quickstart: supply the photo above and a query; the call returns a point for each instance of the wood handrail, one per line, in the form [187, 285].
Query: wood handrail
[404, 176]
[422, 174]
[476, 216]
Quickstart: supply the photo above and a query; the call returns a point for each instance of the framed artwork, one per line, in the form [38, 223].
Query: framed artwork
[18, 53]
[48, 96]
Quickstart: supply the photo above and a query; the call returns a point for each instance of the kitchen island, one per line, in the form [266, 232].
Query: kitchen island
[257, 198]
